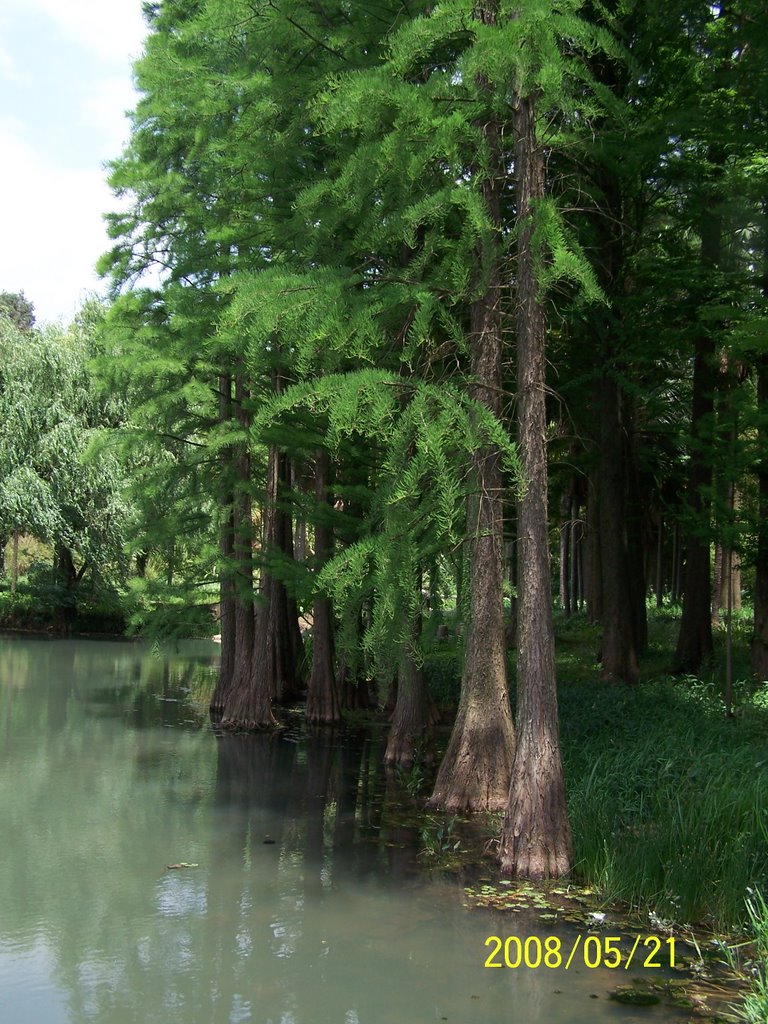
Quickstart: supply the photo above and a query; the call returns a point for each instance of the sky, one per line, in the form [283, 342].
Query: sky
[65, 85]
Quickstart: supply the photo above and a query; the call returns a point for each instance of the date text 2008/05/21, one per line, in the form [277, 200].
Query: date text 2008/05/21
[592, 951]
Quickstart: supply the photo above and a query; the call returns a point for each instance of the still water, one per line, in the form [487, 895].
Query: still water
[306, 904]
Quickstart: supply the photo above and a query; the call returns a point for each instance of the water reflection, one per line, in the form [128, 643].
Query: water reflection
[308, 903]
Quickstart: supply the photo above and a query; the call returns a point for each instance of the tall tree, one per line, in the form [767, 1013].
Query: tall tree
[536, 841]
[475, 770]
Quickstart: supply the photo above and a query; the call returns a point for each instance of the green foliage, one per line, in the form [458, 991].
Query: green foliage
[412, 779]
[442, 672]
[438, 838]
[426, 436]
[57, 481]
[755, 1007]
[42, 602]
[158, 612]
[18, 309]
[666, 798]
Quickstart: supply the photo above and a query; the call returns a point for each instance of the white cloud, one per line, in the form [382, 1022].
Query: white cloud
[53, 188]
[52, 227]
[113, 29]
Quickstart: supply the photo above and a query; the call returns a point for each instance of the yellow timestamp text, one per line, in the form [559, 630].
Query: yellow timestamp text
[593, 951]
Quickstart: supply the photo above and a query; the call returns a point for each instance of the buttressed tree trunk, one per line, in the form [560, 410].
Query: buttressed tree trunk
[323, 706]
[414, 712]
[536, 839]
[475, 771]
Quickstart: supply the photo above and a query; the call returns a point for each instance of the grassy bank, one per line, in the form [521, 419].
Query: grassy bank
[668, 797]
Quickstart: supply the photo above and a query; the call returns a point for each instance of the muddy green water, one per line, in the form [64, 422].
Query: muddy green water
[305, 907]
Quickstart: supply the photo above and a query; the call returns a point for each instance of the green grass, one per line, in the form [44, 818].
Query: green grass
[668, 798]
[754, 1009]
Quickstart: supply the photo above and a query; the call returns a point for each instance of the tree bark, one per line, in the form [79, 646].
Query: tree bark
[694, 642]
[659, 568]
[283, 637]
[410, 732]
[536, 839]
[635, 518]
[15, 562]
[759, 646]
[475, 770]
[573, 567]
[247, 707]
[323, 707]
[618, 650]
[593, 584]
[566, 555]
[227, 585]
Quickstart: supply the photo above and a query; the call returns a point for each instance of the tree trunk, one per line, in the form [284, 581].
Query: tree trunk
[618, 650]
[718, 583]
[659, 569]
[228, 610]
[227, 583]
[284, 643]
[635, 537]
[323, 707]
[355, 691]
[694, 642]
[677, 566]
[573, 567]
[593, 584]
[475, 771]
[536, 839]
[15, 562]
[246, 706]
[410, 732]
[566, 555]
[759, 646]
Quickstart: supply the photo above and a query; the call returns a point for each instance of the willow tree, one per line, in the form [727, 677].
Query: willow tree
[59, 481]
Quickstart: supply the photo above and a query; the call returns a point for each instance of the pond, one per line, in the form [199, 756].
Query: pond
[154, 871]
